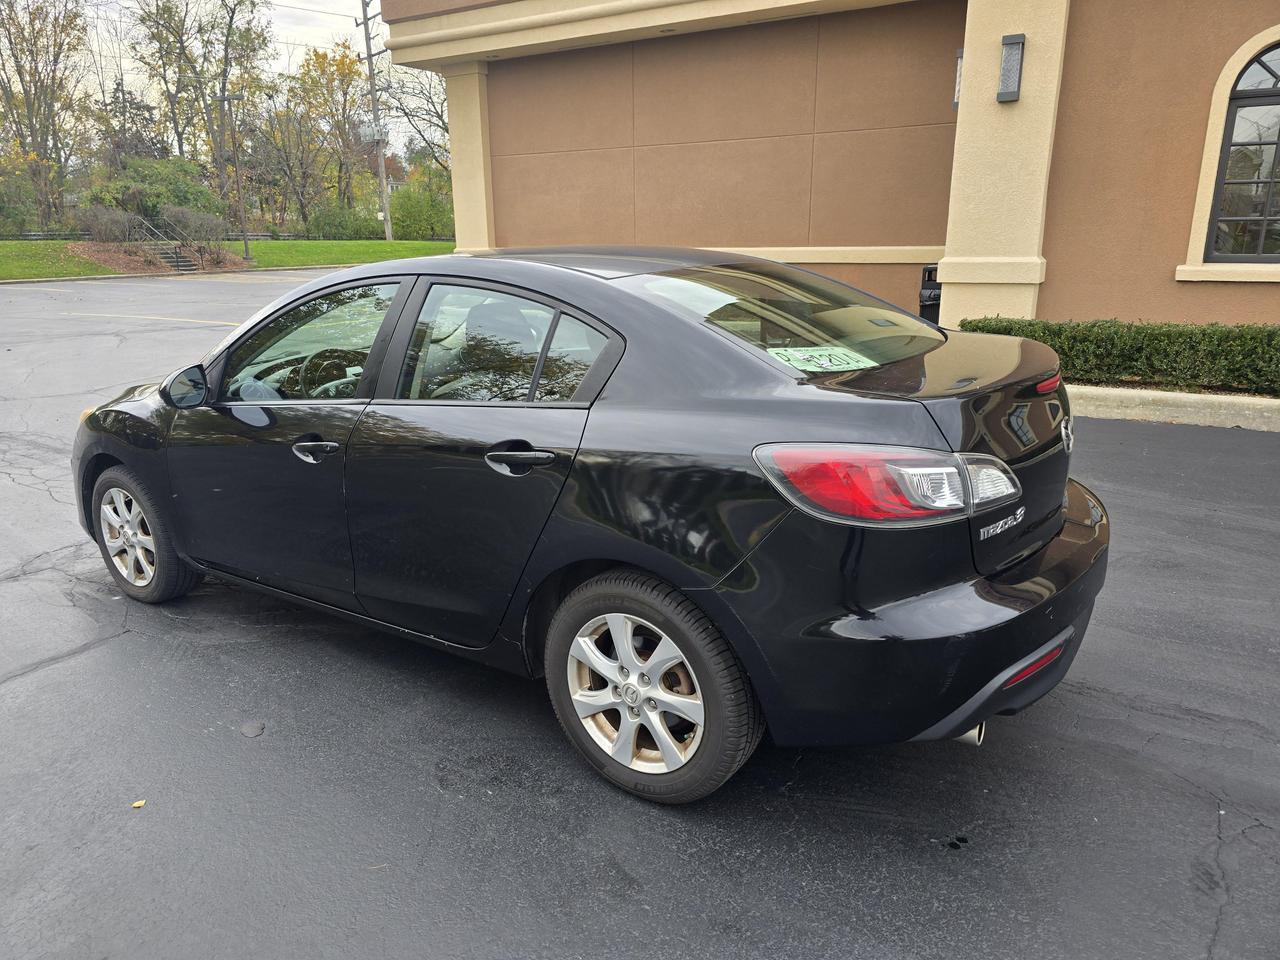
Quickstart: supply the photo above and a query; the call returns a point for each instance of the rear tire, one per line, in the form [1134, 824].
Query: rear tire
[135, 540]
[613, 710]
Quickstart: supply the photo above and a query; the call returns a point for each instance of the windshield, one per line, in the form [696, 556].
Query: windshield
[808, 322]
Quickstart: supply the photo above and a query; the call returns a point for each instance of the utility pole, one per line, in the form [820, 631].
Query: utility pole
[379, 142]
[235, 153]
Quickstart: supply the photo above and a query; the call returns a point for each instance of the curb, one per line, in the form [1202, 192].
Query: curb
[1164, 406]
[170, 276]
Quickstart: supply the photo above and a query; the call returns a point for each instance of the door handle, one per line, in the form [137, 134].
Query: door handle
[313, 451]
[520, 458]
[516, 463]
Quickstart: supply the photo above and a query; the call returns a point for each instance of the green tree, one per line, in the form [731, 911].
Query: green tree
[145, 186]
[18, 201]
[422, 209]
[42, 104]
[126, 127]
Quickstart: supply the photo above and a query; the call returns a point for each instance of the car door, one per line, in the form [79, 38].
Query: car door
[257, 473]
[457, 462]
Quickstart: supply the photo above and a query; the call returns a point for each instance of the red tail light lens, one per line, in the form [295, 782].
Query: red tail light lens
[901, 486]
[1050, 385]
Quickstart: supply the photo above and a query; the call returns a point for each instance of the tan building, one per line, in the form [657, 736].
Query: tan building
[1076, 169]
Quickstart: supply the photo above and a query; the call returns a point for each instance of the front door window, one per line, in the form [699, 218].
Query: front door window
[316, 351]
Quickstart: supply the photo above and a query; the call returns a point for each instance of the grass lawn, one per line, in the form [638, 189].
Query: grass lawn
[302, 253]
[24, 259]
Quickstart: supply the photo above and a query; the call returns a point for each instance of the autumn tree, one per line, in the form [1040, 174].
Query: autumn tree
[332, 85]
[198, 52]
[42, 103]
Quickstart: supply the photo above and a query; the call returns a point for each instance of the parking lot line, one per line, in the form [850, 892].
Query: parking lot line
[146, 316]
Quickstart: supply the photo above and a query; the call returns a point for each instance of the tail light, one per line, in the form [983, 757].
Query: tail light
[897, 486]
[1050, 385]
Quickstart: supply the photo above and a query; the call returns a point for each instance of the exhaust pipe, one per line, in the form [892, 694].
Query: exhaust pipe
[974, 737]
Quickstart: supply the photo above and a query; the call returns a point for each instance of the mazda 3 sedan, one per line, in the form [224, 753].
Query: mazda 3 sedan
[702, 495]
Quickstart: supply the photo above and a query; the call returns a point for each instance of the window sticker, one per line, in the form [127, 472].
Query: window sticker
[822, 359]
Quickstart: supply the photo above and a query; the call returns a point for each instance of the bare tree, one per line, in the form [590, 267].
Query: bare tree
[169, 35]
[199, 51]
[417, 99]
[42, 68]
[289, 146]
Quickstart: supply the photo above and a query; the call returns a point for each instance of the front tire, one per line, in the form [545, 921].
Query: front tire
[135, 541]
[648, 690]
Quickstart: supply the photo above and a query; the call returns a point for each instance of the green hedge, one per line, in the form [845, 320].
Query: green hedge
[1171, 355]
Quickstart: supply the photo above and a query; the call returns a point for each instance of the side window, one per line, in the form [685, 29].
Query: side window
[317, 350]
[573, 350]
[472, 344]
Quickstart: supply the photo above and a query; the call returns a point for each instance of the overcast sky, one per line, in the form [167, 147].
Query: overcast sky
[324, 23]
[297, 24]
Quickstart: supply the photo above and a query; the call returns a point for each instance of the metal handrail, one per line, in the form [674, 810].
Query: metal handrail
[173, 232]
[140, 230]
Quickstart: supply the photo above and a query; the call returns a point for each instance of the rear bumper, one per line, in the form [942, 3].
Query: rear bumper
[831, 669]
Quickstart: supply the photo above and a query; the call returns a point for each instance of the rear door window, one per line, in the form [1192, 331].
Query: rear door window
[807, 322]
[574, 348]
[478, 345]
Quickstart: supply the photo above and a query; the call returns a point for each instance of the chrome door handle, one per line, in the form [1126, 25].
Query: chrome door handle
[520, 458]
[314, 451]
[518, 463]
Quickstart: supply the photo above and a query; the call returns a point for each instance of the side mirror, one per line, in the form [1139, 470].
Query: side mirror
[186, 389]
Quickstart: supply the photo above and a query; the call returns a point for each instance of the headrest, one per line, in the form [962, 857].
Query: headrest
[501, 320]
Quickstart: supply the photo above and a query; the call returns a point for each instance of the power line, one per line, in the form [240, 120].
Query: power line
[294, 6]
[274, 42]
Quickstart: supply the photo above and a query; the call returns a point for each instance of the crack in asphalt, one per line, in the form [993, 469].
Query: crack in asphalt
[30, 567]
[62, 657]
[1221, 882]
[1168, 709]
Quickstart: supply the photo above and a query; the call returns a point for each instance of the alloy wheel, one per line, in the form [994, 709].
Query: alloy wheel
[635, 693]
[127, 535]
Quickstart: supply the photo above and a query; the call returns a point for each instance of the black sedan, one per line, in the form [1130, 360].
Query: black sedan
[703, 495]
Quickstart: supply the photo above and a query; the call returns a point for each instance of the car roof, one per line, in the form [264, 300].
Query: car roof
[618, 261]
[605, 262]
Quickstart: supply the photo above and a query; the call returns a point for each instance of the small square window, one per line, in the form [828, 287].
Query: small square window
[1244, 199]
[1271, 238]
[1237, 237]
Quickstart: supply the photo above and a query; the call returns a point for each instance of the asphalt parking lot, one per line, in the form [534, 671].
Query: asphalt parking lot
[316, 790]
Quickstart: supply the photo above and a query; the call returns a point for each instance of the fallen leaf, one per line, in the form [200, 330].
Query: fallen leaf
[138, 804]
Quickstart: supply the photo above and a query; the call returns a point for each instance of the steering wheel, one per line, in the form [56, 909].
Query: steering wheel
[322, 363]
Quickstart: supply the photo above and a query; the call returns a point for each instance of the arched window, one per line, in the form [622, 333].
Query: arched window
[1245, 226]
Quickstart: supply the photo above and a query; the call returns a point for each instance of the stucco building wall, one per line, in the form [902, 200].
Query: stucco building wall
[1137, 85]
[821, 131]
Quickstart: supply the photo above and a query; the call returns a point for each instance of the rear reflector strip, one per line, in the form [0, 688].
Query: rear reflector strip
[1035, 666]
[1050, 385]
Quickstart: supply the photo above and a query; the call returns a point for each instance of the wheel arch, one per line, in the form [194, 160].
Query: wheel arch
[94, 467]
[546, 597]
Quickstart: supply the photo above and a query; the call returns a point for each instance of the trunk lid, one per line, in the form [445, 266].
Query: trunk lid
[981, 390]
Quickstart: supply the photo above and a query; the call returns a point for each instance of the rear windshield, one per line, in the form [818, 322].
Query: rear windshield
[810, 323]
